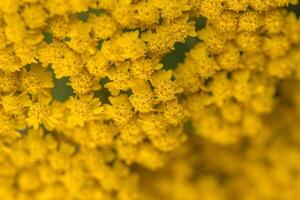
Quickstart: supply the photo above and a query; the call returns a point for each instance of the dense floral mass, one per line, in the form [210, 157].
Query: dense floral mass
[220, 124]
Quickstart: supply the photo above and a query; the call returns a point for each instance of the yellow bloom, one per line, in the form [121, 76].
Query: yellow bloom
[147, 14]
[230, 58]
[94, 134]
[57, 7]
[97, 64]
[142, 97]
[152, 124]
[173, 112]
[165, 89]
[9, 6]
[149, 157]
[227, 22]
[82, 109]
[15, 30]
[28, 180]
[214, 41]
[211, 9]
[126, 46]
[8, 61]
[202, 64]
[198, 99]
[103, 26]
[34, 16]
[131, 132]
[15, 105]
[249, 42]
[8, 82]
[237, 5]
[59, 26]
[42, 113]
[26, 53]
[232, 112]
[65, 62]
[121, 110]
[250, 21]
[120, 78]
[79, 38]
[8, 126]
[37, 81]
[144, 68]
[276, 46]
[84, 83]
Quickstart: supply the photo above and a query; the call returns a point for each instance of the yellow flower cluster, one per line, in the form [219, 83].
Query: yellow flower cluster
[130, 112]
[267, 167]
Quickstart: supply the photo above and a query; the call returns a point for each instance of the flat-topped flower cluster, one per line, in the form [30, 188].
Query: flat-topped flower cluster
[130, 110]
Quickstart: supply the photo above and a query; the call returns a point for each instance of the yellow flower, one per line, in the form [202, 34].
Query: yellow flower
[65, 62]
[131, 132]
[250, 21]
[232, 111]
[237, 5]
[163, 39]
[79, 38]
[37, 81]
[227, 22]
[126, 46]
[81, 109]
[170, 10]
[120, 110]
[168, 141]
[57, 7]
[42, 113]
[150, 157]
[15, 30]
[28, 181]
[84, 83]
[202, 64]
[211, 9]
[9, 6]
[249, 42]
[230, 58]
[103, 26]
[8, 126]
[207, 126]
[291, 28]
[59, 26]
[8, 82]
[173, 112]
[26, 53]
[259, 5]
[152, 124]
[274, 21]
[165, 89]
[242, 88]
[276, 46]
[144, 68]
[97, 64]
[147, 14]
[3, 39]
[120, 78]
[186, 77]
[94, 134]
[15, 105]
[127, 151]
[214, 41]
[221, 88]
[8, 61]
[123, 14]
[34, 16]
[142, 97]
